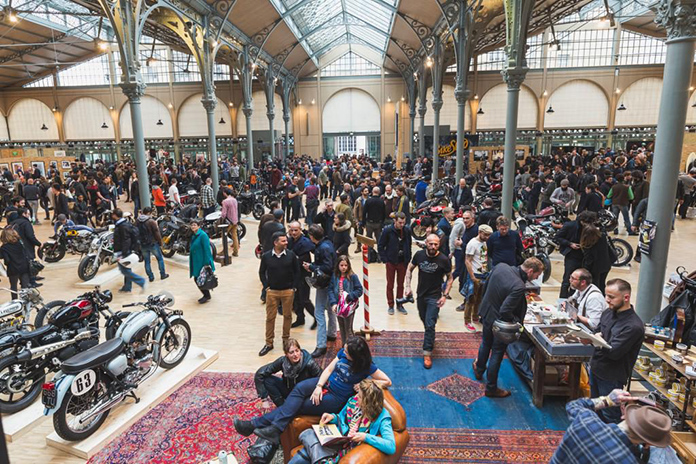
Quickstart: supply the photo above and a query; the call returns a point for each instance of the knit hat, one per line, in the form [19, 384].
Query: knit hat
[650, 424]
[485, 228]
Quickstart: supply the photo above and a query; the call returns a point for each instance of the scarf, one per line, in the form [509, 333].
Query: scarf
[356, 422]
[290, 370]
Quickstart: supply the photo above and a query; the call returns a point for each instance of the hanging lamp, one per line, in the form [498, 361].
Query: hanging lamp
[621, 107]
[550, 110]
[480, 111]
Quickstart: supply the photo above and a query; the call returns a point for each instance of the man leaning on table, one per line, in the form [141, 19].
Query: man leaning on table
[587, 299]
[623, 329]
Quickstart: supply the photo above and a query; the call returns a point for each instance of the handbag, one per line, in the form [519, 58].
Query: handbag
[207, 280]
[345, 308]
[262, 451]
[319, 280]
[34, 268]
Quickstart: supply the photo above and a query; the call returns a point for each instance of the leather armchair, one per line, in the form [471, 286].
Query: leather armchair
[361, 454]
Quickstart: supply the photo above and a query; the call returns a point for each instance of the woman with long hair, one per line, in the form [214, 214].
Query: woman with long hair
[363, 419]
[16, 261]
[327, 393]
[341, 235]
[200, 256]
[597, 256]
[345, 291]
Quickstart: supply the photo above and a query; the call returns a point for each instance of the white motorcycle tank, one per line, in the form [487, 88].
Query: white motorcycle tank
[214, 216]
[118, 365]
[135, 324]
[10, 308]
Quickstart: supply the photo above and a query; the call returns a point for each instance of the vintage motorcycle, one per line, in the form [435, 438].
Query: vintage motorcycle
[75, 240]
[249, 203]
[621, 248]
[537, 242]
[176, 238]
[91, 383]
[101, 251]
[431, 208]
[210, 226]
[27, 357]
[17, 313]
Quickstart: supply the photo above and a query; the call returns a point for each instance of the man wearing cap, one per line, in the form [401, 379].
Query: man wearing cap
[564, 196]
[623, 329]
[477, 272]
[590, 440]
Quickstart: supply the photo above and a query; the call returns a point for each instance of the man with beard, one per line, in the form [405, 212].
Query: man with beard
[623, 329]
[302, 247]
[433, 267]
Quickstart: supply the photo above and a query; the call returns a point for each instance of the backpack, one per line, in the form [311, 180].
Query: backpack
[372, 256]
[135, 237]
[146, 238]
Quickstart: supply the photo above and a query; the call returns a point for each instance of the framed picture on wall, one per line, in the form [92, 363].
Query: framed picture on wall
[66, 174]
[65, 164]
[59, 153]
[39, 166]
[17, 166]
[519, 154]
[54, 164]
[4, 166]
[480, 155]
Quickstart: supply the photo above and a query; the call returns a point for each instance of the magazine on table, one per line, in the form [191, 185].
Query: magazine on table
[329, 435]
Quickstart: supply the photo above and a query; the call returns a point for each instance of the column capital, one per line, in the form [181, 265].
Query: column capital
[437, 104]
[461, 94]
[133, 90]
[286, 117]
[678, 17]
[422, 110]
[247, 110]
[209, 103]
[270, 115]
[514, 76]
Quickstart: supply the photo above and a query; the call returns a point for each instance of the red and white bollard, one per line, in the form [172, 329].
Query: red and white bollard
[367, 329]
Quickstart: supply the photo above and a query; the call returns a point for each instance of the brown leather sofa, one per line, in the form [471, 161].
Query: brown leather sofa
[361, 454]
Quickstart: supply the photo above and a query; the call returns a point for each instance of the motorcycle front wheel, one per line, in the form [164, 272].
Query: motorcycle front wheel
[623, 250]
[47, 311]
[167, 246]
[258, 211]
[16, 392]
[544, 258]
[88, 267]
[52, 252]
[241, 232]
[174, 344]
[418, 231]
[67, 420]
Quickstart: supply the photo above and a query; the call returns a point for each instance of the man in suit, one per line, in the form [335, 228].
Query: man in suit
[569, 240]
[461, 195]
[504, 299]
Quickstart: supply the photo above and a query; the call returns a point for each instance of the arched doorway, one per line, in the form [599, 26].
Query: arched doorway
[351, 124]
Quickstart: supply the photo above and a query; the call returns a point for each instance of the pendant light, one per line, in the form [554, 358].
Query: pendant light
[222, 121]
[621, 107]
[480, 111]
[43, 127]
[104, 126]
[550, 110]
[160, 123]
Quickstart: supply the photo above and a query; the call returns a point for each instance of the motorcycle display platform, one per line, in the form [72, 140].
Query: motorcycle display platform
[101, 278]
[18, 424]
[557, 257]
[152, 392]
[62, 264]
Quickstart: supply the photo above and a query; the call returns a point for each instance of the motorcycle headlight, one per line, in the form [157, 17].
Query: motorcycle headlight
[542, 242]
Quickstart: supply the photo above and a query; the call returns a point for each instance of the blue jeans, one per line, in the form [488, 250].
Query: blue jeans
[496, 350]
[129, 277]
[600, 387]
[154, 250]
[459, 267]
[276, 388]
[428, 311]
[321, 307]
[615, 209]
[299, 402]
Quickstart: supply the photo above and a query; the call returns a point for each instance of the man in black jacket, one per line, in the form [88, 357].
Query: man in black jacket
[395, 250]
[569, 240]
[504, 299]
[302, 247]
[61, 202]
[31, 195]
[125, 243]
[374, 214]
[488, 214]
[270, 228]
[461, 195]
[623, 329]
[22, 225]
[326, 219]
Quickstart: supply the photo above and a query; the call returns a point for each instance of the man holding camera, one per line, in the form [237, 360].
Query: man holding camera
[504, 299]
[433, 267]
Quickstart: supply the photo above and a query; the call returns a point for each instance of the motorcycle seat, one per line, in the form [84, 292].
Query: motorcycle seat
[538, 216]
[93, 357]
[34, 334]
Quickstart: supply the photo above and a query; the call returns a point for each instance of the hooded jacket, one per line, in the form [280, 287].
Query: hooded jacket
[341, 238]
[308, 369]
[151, 227]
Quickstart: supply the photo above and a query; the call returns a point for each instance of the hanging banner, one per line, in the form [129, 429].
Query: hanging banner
[647, 235]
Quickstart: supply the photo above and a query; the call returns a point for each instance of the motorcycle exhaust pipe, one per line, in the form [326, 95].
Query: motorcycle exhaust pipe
[103, 406]
[47, 349]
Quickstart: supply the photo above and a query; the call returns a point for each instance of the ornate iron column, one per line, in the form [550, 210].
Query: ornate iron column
[422, 109]
[287, 86]
[411, 88]
[246, 74]
[209, 100]
[437, 71]
[677, 17]
[269, 85]
[124, 19]
[463, 43]
[517, 16]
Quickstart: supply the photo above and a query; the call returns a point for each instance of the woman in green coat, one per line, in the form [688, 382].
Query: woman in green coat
[200, 256]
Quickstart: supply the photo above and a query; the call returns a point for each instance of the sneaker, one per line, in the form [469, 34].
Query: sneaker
[123, 290]
[460, 308]
[151, 279]
[203, 299]
[390, 310]
[427, 362]
[498, 393]
[470, 328]
[401, 309]
[164, 276]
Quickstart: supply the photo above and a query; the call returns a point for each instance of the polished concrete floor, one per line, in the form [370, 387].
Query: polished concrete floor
[233, 321]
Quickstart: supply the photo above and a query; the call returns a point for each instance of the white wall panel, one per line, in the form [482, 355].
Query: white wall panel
[494, 106]
[259, 120]
[448, 112]
[84, 118]
[193, 120]
[152, 110]
[577, 104]
[3, 128]
[27, 117]
[642, 102]
[351, 110]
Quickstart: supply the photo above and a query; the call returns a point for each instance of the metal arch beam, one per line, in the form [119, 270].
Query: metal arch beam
[224, 20]
[407, 51]
[262, 36]
[33, 48]
[422, 31]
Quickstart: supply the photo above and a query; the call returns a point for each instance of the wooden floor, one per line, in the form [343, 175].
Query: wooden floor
[233, 322]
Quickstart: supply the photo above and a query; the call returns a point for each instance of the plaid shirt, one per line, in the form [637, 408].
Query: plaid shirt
[588, 440]
[207, 196]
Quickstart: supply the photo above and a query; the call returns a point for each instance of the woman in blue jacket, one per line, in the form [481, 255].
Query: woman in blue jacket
[345, 281]
[363, 419]
[200, 256]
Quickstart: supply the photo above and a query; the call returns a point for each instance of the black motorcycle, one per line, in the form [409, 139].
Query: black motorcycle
[27, 357]
[176, 238]
[621, 248]
[250, 203]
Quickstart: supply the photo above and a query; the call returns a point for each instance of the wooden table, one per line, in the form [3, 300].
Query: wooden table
[543, 358]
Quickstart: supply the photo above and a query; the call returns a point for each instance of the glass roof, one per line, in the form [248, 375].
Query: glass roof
[320, 25]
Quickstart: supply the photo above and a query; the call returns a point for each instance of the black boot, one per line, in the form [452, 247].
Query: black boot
[299, 322]
[243, 427]
[269, 433]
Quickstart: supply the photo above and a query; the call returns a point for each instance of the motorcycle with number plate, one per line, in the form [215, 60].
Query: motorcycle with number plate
[17, 313]
[90, 384]
[27, 357]
[101, 251]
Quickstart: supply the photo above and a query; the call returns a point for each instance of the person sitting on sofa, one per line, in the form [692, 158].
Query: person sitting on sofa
[364, 419]
[313, 397]
[297, 365]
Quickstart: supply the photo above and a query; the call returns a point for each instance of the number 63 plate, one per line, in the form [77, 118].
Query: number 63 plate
[83, 382]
